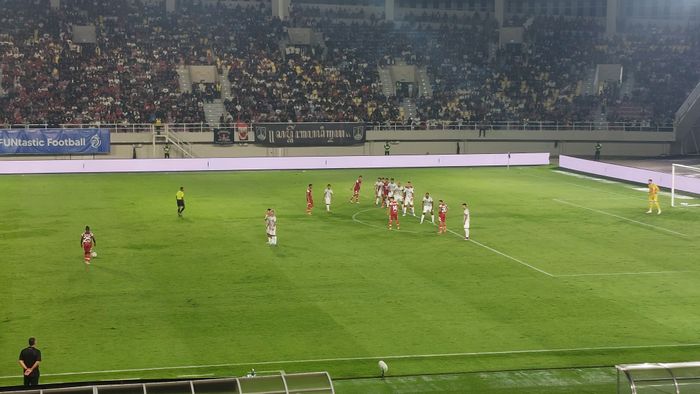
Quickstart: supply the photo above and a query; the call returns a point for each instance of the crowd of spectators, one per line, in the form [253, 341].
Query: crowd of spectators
[129, 73]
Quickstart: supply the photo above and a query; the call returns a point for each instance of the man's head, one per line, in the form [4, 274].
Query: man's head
[329, 186]
[464, 205]
[310, 185]
[87, 228]
[427, 194]
[650, 181]
[182, 188]
[32, 341]
[359, 177]
[440, 201]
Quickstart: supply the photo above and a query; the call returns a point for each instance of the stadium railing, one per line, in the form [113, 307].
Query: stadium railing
[387, 126]
[678, 378]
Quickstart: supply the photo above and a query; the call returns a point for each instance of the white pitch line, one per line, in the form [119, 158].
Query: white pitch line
[504, 255]
[368, 358]
[355, 219]
[620, 217]
[624, 273]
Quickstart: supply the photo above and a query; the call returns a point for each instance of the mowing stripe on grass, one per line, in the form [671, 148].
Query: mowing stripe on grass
[620, 217]
[371, 358]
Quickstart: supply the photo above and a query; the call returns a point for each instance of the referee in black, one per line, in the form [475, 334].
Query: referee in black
[29, 360]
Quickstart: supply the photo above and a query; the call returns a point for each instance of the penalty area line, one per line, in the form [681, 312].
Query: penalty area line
[371, 358]
[619, 217]
[503, 254]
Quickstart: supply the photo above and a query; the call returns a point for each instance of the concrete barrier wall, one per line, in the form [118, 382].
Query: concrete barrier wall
[268, 163]
[630, 174]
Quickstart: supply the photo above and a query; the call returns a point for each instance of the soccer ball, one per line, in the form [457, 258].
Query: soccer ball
[93, 254]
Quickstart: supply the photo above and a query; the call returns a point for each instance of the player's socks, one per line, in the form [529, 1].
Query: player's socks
[421, 218]
[328, 208]
[432, 218]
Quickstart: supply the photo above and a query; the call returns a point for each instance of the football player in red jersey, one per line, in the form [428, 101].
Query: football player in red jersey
[393, 211]
[309, 200]
[442, 217]
[385, 193]
[87, 241]
[356, 191]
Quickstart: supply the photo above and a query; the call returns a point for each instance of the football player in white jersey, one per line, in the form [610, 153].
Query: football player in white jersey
[398, 193]
[327, 196]
[378, 191]
[408, 199]
[392, 188]
[428, 207]
[271, 227]
[466, 221]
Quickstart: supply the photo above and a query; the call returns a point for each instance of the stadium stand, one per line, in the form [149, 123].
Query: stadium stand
[131, 74]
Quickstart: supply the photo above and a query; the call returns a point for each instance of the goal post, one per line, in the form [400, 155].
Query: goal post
[685, 186]
[671, 378]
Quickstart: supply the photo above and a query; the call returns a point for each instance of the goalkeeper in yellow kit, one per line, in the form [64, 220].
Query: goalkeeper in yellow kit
[653, 197]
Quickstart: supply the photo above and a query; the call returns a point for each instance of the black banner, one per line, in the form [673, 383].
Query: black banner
[309, 134]
[223, 136]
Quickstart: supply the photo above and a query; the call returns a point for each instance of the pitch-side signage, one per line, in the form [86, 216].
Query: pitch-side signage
[309, 134]
[54, 141]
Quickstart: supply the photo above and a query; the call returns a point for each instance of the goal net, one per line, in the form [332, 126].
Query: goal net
[685, 186]
[671, 378]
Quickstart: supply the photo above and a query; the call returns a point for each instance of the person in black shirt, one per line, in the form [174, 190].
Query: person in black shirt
[29, 360]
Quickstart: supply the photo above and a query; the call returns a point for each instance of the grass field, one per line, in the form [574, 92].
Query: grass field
[562, 272]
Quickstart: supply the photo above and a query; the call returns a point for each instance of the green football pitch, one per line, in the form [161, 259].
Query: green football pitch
[561, 272]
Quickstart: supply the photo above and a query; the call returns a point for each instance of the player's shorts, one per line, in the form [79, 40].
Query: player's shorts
[466, 225]
[180, 203]
[328, 201]
[442, 218]
[87, 247]
[379, 193]
[355, 192]
[309, 204]
[394, 216]
[653, 198]
[409, 201]
[272, 232]
[427, 209]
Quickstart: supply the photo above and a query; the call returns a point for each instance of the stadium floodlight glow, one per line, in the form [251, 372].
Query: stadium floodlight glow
[681, 174]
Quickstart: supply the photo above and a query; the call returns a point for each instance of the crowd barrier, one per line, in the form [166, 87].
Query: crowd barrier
[637, 175]
[270, 163]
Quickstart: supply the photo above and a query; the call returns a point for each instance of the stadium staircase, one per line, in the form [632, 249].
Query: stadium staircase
[184, 79]
[163, 135]
[588, 88]
[425, 89]
[628, 85]
[213, 111]
[387, 82]
[225, 87]
[409, 108]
